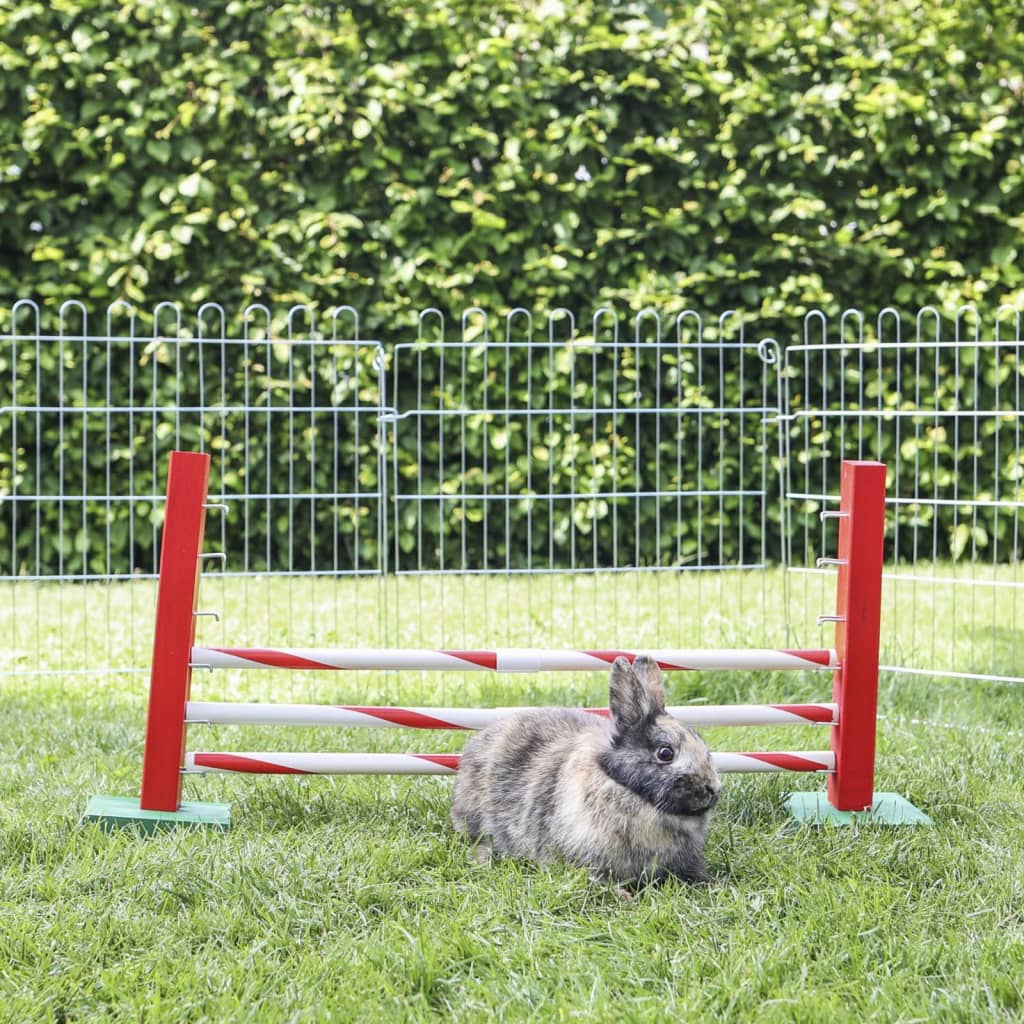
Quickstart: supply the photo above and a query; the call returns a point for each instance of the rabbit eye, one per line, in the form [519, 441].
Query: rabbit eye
[664, 754]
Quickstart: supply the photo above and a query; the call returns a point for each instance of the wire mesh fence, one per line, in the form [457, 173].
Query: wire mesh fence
[566, 480]
[576, 454]
[939, 401]
[89, 417]
[515, 480]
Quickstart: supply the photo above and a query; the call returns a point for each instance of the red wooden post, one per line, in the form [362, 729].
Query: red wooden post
[858, 608]
[163, 757]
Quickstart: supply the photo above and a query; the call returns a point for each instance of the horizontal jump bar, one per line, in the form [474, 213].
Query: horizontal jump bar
[504, 660]
[275, 763]
[220, 713]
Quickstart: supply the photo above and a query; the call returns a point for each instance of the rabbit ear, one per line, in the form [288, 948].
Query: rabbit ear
[635, 692]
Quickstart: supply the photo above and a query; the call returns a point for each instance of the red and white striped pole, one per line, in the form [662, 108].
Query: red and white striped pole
[348, 715]
[170, 679]
[302, 763]
[507, 659]
[858, 616]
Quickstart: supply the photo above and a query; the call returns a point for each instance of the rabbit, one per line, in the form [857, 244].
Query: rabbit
[627, 798]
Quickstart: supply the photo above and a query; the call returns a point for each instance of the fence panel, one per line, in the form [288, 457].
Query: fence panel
[633, 457]
[88, 414]
[940, 402]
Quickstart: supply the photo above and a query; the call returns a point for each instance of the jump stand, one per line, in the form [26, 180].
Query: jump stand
[850, 715]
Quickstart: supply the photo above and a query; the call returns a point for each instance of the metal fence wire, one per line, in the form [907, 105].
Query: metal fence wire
[290, 417]
[505, 480]
[548, 451]
[939, 401]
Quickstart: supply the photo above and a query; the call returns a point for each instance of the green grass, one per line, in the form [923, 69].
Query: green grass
[345, 899]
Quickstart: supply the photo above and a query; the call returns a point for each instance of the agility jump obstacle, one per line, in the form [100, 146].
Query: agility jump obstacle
[850, 715]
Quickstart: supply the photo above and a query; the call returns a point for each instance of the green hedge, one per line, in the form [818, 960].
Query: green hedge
[771, 156]
[766, 157]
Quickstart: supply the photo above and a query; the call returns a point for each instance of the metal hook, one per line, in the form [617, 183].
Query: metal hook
[379, 363]
[479, 311]
[247, 313]
[355, 322]
[769, 351]
[604, 311]
[937, 318]
[679, 325]
[894, 314]
[968, 308]
[815, 314]
[131, 316]
[422, 317]
[854, 314]
[567, 315]
[307, 312]
[647, 311]
[729, 314]
[14, 315]
[223, 319]
[518, 311]
[1005, 310]
[81, 308]
[157, 309]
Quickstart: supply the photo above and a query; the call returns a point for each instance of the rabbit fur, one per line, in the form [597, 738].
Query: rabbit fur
[629, 797]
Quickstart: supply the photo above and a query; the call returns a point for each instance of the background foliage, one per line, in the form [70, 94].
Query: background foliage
[767, 157]
[397, 155]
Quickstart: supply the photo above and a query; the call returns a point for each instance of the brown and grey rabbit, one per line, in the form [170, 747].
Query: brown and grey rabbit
[627, 798]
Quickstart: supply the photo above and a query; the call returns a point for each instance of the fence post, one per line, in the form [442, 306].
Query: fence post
[171, 674]
[159, 804]
[858, 612]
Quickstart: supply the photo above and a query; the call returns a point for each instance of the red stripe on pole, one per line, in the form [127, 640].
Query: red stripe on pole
[817, 657]
[445, 760]
[403, 716]
[171, 677]
[858, 603]
[252, 765]
[811, 712]
[788, 762]
[485, 659]
[270, 657]
[610, 656]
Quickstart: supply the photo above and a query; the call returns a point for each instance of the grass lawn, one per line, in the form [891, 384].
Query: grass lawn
[351, 899]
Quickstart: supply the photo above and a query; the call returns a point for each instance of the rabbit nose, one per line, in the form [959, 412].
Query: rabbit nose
[708, 793]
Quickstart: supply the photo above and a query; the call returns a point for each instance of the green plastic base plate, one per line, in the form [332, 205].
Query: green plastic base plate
[887, 809]
[123, 811]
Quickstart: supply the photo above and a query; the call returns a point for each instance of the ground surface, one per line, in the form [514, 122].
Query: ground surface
[341, 899]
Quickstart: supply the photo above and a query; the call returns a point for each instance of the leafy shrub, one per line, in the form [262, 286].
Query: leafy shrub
[397, 155]
[769, 157]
